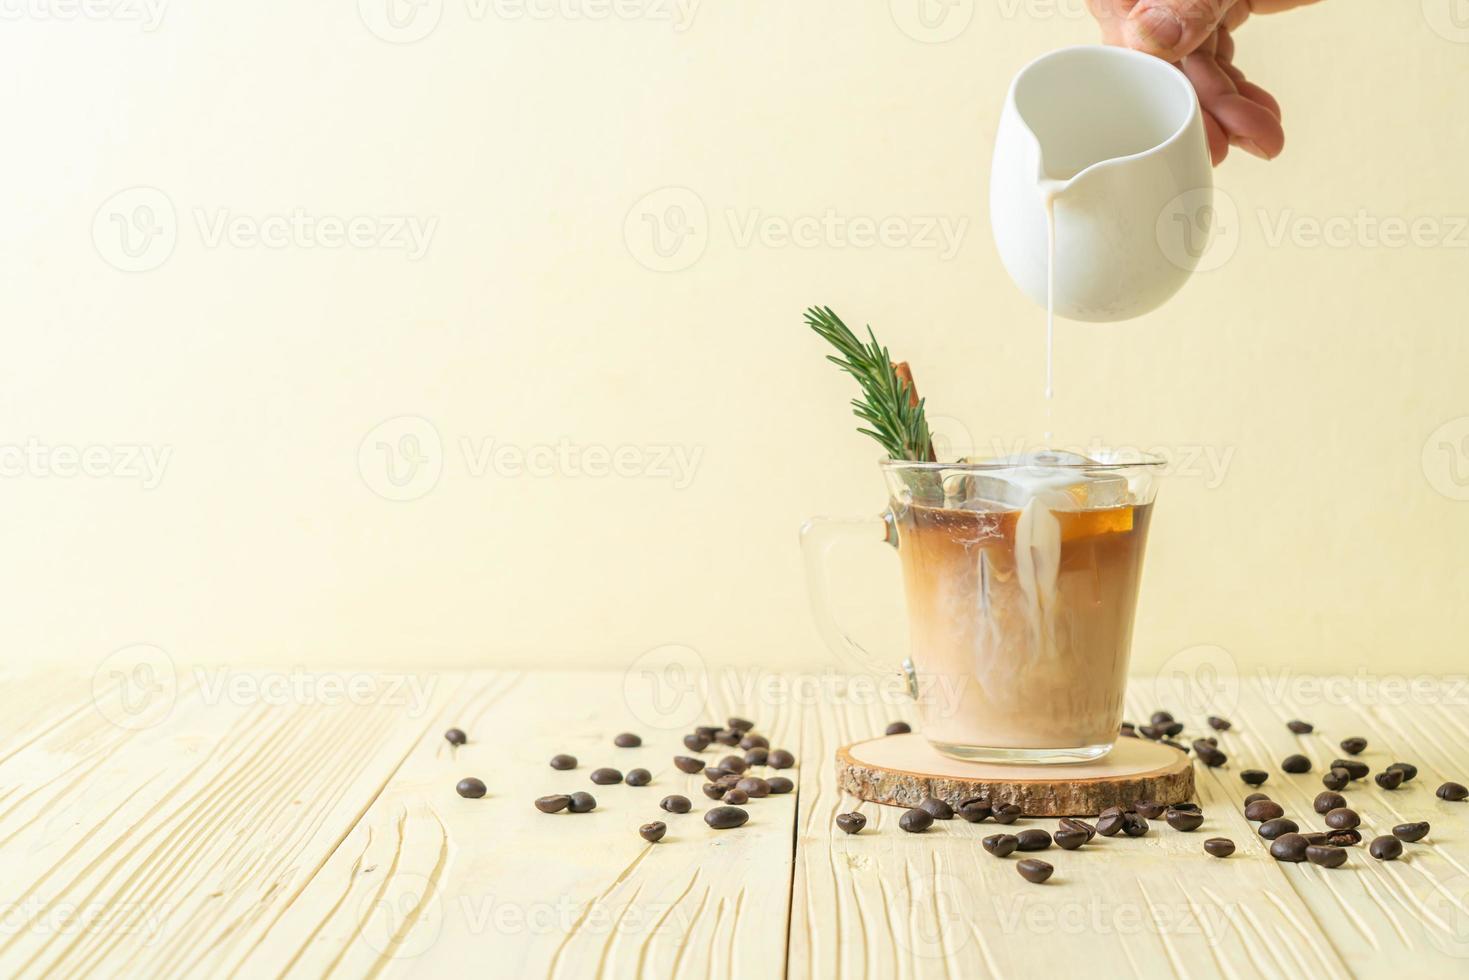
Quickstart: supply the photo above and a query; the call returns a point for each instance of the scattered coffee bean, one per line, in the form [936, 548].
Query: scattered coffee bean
[553, 804]
[712, 791]
[1220, 847]
[937, 809]
[1256, 796]
[1208, 754]
[1453, 792]
[916, 820]
[695, 743]
[1161, 718]
[1070, 840]
[1385, 848]
[1006, 813]
[1300, 727]
[851, 823]
[1326, 802]
[1289, 847]
[736, 797]
[1254, 777]
[976, 809]
[1154, 732]
[1070, 823]
[754, 787]
[1151, 809]
[1184, 819]
[1211, 740]
[1411, 832]
[727, 782]
[627, 740]
[563, 762]
[1127, 731]
[715, 773]
[1219, 725]
[733, 763]
[739, 724]
[726, 817]
[470, 788]
[687, 763]
[1337, 778]
[1111, 821]
[1133, 824]
[1272, 829]
[728, 736]
[1173, 728]
[1389, 779]
[1316, 837]
[1407, 769]
[898, 728]
[1033, 840]
[1190, 807]
[1326, 857]
[639, 777]
[1343, 838]
[1262, 810]
[1033, 870]
[1295, 764]
[779, 785]
[781, 759]
[1355, 745]
[754, 742]
[1342, 818]
[1355, 768]
[1000, 845]
[606, 777]
[456, 736]
[582, 802]
[757, 757]
[676, 804]
[653, 832]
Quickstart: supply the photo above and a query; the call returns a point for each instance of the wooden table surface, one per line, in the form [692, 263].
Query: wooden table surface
[162, 821]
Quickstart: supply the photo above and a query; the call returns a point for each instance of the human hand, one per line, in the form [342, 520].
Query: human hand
[1198, 36]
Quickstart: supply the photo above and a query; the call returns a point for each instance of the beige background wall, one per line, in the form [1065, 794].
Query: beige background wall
[1317, 518]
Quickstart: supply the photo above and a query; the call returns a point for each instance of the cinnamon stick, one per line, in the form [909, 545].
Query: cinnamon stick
[905, 376]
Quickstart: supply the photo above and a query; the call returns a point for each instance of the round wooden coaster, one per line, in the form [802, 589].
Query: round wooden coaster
[903, 770]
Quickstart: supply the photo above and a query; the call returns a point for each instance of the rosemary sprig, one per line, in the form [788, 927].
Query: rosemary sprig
[896, 419]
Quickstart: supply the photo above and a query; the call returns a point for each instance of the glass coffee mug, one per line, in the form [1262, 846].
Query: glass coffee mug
[1021, 577]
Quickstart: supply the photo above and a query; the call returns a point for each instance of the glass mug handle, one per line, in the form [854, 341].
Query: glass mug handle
[818, 536]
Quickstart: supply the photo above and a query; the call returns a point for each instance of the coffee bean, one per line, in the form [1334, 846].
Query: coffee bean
[1261, 810]
[757, 757]
[1354, 745]
[606, 777]
[1220, 847]
[1295, 764]
[754, 787]
[1389, 779]
[1190, 807]
[1453, 792]
[1161, 718]
[455, 736]
[1326, 802]
[1151, 809]
[1000, 845]
[733, 763]
[627, 740]
[1326, 857]
[1343, 838]
[1110, 824]
[976, 809]
[779, 785]
[1407, 769]
[712, 791]
[1272, 829]
[898, 728]
[1032, 840]
[728, 781]
[1385, 848]
[553, 804]
[1411, 832]
[1318, 838]
[639, 777]
[1006, 813]
[916, 820]
[1154, 732]
[1071, 824]
[1173, 728]
[676, 804]
[1133, 824]
[653, 832]
[1300, 727]
[1184, 819]
[1219, 725]
[1127, 731]
[738, 797]
[1033, 870]
[739, 724]
[1070, 840]
[937, 809]
[726, 817]
[728, 736]
[716, 773]
[1337, 778]
[563, 762]
[1355, 768]
[851, 823]
[1209, 755]
[706, 732]
[1289, 847]
[687, 763]
[1254, 777]
[754, 742]
[582, 802]
[781, 759]
[1342, 818]
[1256, 796]
[470, 788]
[695, 743]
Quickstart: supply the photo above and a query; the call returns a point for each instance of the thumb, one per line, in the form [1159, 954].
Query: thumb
[1171, 29]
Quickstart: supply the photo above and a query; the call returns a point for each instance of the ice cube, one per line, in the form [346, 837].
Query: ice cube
[1051, 477]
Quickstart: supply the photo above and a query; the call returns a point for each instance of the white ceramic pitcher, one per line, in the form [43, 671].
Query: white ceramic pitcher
[1117, 137]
